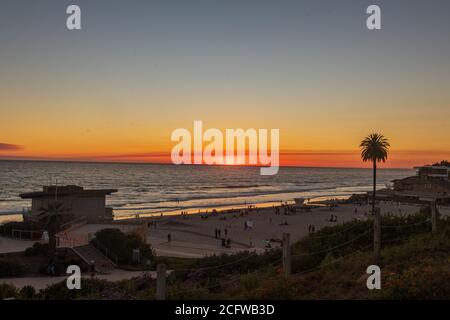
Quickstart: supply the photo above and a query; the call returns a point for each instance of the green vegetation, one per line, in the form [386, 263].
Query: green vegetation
[36, 250]
[34, 261]
[338, 241]
[443, 163]
[7, 291]
[415, 267]
[10, 269]
[122, 245]
[329, 264]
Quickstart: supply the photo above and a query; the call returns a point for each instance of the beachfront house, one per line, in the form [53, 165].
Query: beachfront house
[433, 172]
[428, 179]
[431, 183]
[75, 201]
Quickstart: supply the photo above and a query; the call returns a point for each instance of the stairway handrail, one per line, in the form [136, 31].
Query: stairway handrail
[108, 253]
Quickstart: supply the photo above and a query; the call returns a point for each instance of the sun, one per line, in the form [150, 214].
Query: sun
[229, 161]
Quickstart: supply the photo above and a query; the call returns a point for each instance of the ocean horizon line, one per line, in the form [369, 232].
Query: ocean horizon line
[198, 165]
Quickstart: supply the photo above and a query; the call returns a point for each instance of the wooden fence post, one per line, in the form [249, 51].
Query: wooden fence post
[433, 216]
[161, 282]
[286, 254]
[377, 234]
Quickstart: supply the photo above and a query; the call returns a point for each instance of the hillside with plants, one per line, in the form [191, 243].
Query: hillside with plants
[328, 264]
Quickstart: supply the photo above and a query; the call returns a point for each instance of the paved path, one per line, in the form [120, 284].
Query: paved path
[14, 245]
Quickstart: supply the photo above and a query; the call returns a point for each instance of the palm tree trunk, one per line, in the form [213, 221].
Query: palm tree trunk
[374, 185]
[52, 237]
[52, 243]
[376, 217]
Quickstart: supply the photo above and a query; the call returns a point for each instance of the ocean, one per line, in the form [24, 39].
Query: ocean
[148, 189]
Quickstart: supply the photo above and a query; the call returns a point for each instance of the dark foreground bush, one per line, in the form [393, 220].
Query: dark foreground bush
[122, 245]
[90, 289]
[10, 269]
[36, 250]
[7, 291]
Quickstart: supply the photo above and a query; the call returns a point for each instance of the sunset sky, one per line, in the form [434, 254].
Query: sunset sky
[115, 90]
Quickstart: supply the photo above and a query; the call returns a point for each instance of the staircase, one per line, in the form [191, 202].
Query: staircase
[89, 253]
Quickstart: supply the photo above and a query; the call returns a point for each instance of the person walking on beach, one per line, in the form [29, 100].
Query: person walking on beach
[219, 232]
[216, 233]
[169, 237]
[225, 231]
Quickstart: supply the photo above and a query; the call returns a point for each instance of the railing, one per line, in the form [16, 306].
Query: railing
[22, 234]
[65, 241]
[108, 253]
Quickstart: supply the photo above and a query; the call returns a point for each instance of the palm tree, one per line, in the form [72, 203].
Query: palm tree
[51, 216]
[374, 148]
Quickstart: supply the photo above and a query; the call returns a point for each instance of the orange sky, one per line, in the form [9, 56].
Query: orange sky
[123, 136]
[397, 159]
[319, 76]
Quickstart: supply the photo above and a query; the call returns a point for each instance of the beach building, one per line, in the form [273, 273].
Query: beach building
[428, 179]
[433, 172]
[75, 201]
[431, 183]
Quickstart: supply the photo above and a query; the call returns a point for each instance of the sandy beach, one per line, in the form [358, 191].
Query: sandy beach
[192, 235]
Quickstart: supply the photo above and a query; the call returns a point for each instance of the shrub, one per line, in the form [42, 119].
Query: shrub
[419, 283]
[27, 292]
[36, 250]
[206, 269]
[337, 241]
[61, 260]
[10, 269]
[7, 291]
[122, 245]
[90, 288]
[280, 288]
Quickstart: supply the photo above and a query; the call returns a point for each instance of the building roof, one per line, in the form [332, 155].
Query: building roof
[66, 190]
[414, 194]
[433, 167]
